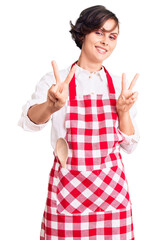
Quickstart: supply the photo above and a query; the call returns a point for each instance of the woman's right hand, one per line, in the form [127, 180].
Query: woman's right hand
[57, 94]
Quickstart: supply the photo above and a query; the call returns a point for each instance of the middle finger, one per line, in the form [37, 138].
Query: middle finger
[132, 84]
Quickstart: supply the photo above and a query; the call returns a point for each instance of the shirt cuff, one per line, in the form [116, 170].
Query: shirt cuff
[131, 139]
[130, 142]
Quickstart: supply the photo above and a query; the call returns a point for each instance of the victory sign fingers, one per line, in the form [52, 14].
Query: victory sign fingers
[57, 94]
[132, 84]
[127, 97]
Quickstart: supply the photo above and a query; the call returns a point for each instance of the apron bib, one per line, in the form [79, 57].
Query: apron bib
[93, 181]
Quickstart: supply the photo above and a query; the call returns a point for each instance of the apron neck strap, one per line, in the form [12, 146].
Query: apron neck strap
[110, 82]
[72, 85]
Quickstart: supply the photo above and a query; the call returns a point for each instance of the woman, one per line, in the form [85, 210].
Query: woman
[88, 198]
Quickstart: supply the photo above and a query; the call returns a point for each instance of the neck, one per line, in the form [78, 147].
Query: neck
[88, 65]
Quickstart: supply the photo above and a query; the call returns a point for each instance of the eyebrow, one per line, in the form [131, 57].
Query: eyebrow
[103, 29]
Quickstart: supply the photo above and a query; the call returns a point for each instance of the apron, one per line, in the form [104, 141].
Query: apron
[89, 199]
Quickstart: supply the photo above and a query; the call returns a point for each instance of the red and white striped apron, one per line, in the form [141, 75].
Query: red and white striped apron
[89, 199]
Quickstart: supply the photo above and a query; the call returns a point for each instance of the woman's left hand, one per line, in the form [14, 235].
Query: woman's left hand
[127, 97]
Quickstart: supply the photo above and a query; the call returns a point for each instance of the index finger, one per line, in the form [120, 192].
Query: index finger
[123, 81]
[56, 72]
[70, 75]
[132, 84]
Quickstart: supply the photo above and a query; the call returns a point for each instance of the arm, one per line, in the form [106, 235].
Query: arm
[56, 98]
[130, 142]
[40, 113]
[124, 103]
[38, 97]
[125, 123]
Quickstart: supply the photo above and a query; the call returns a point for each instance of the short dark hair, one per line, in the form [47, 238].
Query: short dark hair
[90, 19]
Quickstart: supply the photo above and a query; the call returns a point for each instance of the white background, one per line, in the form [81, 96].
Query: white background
[33, 33]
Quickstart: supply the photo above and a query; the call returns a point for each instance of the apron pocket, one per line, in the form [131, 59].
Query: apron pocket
[91, 191]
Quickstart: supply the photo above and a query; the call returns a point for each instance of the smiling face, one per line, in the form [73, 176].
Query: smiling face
[99, 44]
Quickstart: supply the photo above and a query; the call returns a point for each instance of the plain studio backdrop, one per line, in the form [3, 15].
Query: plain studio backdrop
[32, 34]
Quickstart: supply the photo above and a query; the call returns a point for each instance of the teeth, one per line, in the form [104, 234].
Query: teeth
[101, 50]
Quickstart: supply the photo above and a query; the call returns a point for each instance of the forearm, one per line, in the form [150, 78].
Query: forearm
[125, 123]
[40, 113]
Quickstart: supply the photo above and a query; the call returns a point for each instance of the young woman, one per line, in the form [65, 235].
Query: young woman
[94, 114]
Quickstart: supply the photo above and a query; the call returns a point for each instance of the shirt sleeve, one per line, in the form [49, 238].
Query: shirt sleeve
[38, 97]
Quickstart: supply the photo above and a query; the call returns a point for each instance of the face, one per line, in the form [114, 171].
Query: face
[98, 45]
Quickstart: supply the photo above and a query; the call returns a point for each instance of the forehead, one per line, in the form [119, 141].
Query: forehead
[110, 25]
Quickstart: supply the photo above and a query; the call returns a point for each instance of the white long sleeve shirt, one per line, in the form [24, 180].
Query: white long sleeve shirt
[86, 83]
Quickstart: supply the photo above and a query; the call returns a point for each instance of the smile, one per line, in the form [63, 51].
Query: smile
[101, 50]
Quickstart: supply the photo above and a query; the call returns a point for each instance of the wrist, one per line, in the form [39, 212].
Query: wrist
[50, 108]
[123, 114]
[125, 123]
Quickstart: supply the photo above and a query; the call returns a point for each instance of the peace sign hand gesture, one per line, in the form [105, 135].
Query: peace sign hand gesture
[127, 97]
[57, 94]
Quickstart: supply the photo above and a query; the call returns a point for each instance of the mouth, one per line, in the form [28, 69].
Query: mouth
[101, 50]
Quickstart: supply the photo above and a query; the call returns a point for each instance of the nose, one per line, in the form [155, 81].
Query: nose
[104, 41]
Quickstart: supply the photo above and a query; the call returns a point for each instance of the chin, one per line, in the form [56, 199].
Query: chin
[100, 60]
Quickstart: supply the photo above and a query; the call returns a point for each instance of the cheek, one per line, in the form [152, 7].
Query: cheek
[113, 45]
[88, 45]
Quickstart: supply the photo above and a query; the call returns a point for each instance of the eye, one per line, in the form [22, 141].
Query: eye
[113, 37]
[99, 32]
